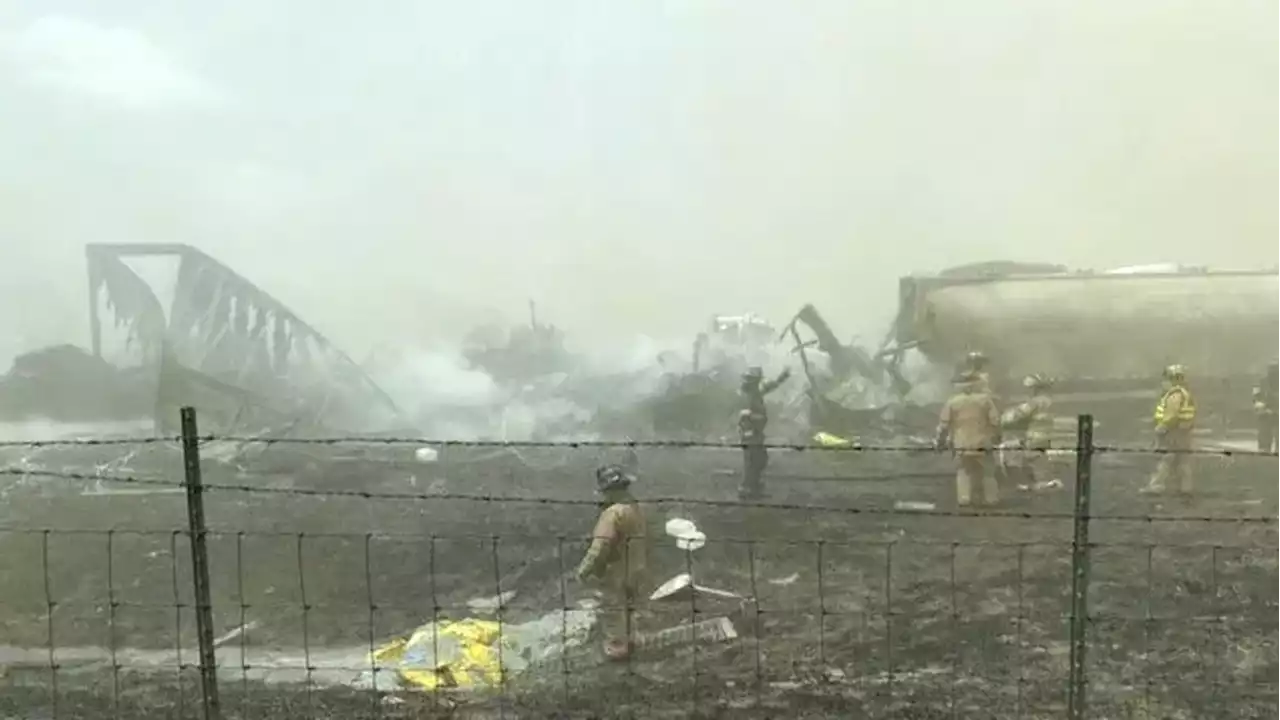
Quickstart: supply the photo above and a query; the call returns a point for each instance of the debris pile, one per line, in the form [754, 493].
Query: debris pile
[65, 383]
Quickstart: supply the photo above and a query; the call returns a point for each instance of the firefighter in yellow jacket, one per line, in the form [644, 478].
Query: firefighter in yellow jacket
[617, 559]
[1175, 418]
[970, 425]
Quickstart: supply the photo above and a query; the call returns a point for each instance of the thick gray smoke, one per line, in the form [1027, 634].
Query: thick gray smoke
[446, 396]
[633, 166]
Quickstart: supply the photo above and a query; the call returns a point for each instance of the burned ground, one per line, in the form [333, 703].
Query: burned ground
[856, 609]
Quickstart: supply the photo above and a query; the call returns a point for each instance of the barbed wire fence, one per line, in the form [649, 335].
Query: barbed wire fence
[1094, 610]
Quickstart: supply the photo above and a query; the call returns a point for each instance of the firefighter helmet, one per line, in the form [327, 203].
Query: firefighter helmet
[611, 477]
[1037, 381]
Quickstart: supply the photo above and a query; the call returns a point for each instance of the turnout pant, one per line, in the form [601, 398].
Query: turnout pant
[618, 608]
[1036, 464]
[1175, 464]
[971, 466]
[755, 458]
[1267, 434]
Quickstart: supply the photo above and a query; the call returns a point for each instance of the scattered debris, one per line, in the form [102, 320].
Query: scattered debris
[65, 383]
[785, 580]
[493, 603]
[235, 633]
[714, 630]
[1041, 485]
[521, 355]
[682, 587]
[687, 535]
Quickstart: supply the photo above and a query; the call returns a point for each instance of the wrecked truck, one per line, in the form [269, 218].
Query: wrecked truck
[1104, 336]
[700, 400]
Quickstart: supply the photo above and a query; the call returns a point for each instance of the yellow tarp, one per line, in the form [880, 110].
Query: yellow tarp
[467, 655]
[825, 439]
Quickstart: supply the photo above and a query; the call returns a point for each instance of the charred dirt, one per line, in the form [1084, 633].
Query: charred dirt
[850, 607]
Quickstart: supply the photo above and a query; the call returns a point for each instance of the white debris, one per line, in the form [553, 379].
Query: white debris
[679, 527]
[687, 535]
[1041, 486]
[718, 629]
[914, 506]
[492, 603]
[692, 541]
[426, 455]
[682, 587]
[785, 580]
[237, 632]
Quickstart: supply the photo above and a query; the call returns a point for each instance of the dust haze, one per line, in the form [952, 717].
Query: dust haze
[399, 175]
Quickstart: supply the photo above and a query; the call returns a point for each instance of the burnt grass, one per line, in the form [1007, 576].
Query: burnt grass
[853, 610]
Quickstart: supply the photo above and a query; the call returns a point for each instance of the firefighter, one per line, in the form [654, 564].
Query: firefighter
[970, 426]
[618, 559]
[751, 426]
[1033, 420]
[1174, 417]
[1266, 397]
[976, 363]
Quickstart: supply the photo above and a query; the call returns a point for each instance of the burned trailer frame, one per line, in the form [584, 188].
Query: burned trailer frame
[891, 414]
[1104, 337]
[228, 348]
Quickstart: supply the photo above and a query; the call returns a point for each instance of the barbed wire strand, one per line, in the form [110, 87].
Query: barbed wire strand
[479, 537]
[920, 448]
[657, 500]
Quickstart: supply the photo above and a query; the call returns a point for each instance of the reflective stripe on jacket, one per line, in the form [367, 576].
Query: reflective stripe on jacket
[1184, 408]
[1034, 418]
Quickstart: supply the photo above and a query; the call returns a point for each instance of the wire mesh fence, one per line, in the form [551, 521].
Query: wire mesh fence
[351, 586]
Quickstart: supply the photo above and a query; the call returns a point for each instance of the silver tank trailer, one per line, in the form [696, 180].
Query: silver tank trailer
[1099, 326]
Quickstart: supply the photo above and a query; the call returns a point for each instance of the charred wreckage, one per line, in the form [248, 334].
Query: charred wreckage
[254, 368]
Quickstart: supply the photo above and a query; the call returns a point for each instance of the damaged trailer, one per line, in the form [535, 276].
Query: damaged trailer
[853, 393]
[223, 345]
[1104, 336]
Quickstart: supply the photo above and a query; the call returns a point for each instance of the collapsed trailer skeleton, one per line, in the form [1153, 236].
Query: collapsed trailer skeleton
[228, 347]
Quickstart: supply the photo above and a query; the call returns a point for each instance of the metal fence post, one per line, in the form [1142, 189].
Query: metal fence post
[1077, 688]
[200, 564]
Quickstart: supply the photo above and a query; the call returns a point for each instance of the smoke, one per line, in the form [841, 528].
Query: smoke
[394, 176]
[422, 380]
[445, 395]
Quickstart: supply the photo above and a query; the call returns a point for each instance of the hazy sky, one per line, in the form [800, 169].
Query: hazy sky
[393, 169]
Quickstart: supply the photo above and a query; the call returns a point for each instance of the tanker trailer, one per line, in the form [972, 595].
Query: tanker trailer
[1105, 336]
